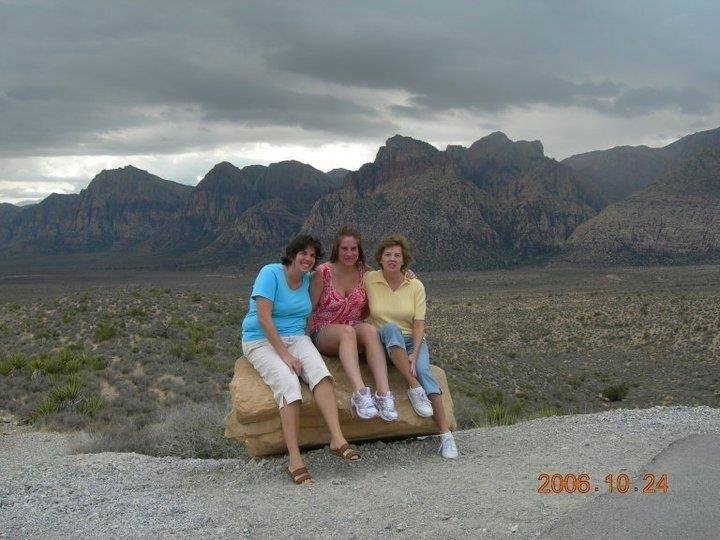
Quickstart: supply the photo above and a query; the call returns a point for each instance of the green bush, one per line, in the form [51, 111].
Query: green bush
[96, 363]
[616, 392]
[67, 392]
[46, 406]
[5, 368]
[90, 405]
[499, 414]
[105, 329]
[66, 361]
[546, 412]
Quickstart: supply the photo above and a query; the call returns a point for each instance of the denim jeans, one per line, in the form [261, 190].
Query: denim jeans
[391, 336]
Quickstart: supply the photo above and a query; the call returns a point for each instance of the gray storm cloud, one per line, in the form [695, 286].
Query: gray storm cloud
[123, 78]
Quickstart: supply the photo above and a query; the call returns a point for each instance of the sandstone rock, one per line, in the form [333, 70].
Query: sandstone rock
[255, 421]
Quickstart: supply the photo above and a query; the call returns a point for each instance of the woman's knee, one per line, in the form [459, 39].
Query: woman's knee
[389, 330]
[347, 333]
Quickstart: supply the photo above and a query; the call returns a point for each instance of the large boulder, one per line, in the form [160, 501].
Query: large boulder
[255, 421]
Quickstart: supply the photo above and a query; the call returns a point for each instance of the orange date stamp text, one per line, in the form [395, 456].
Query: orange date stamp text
[556, 483]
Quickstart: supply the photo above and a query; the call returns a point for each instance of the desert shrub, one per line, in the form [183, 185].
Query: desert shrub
[616, 392]
[499, 414]
[235, 314]
[180, 350]
[104, 329]
[193, 430]
[90, 405]
[5, 367]
[18, 361]
[66, 361]
[96, 363]
[45, 333]
[67, 392]
[44, 407]
[139, 312]
[546, 412]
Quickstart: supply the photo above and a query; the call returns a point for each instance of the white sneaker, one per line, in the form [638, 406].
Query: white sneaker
[420, 402]
[386, 406]
[448, 448]
[363, 404]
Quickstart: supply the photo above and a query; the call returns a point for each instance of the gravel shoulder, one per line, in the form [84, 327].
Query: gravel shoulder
[402, 488]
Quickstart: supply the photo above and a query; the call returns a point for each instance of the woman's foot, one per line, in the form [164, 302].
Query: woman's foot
[299, 475]
[448, 448]
[346, 451]
[362, 402]
[420, 402]
[386, 406]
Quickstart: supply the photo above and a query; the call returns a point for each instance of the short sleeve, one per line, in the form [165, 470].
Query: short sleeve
[420, 304]
[265, 284]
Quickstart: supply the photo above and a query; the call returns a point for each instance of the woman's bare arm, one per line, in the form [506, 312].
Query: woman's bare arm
[316, 288]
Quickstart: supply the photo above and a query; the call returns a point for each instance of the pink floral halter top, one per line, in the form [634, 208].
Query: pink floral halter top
[333, 308]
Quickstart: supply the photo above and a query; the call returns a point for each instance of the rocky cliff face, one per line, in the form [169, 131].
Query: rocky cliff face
[622, 170]
[7, 213]
[478, 207]
[255, 207]
[118, 209]
[337, 176]
[674, 219]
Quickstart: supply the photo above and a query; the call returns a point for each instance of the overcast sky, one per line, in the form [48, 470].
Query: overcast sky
[176, 86]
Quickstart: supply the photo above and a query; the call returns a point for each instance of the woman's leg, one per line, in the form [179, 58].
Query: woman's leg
[285, 386]
[290, 420]
[369, 340]
[325, 399]
[316, 374]
[340, 339]
[394, 342]
[431, 386]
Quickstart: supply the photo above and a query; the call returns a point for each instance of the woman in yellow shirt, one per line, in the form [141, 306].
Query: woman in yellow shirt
[397, 308]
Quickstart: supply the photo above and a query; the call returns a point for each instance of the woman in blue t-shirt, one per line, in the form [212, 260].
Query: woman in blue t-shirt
[274, 341]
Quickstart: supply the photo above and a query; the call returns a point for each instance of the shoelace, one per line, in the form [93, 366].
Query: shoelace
[365, 401]
[448, 444]
[387, 402]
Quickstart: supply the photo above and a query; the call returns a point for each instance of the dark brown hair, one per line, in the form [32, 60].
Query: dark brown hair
[297, 244]
[391, 241]
[342, 233]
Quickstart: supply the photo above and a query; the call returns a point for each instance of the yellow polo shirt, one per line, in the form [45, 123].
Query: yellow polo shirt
[401, 306]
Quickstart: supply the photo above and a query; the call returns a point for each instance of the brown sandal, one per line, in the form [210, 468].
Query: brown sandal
[346, 452]
[300, 476]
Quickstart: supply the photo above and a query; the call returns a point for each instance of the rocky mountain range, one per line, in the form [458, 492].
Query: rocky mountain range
[622, 170]
[117, 210]
[494, 203]
[675, 218]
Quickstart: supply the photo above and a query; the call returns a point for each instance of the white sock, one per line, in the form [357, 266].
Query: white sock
[447, 435]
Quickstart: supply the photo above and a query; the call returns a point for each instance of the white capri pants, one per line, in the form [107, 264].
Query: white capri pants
[283, 381]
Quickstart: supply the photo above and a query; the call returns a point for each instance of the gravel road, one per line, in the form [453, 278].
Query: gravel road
[398, 489]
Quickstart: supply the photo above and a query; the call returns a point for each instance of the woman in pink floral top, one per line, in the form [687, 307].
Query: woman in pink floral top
[337, 327]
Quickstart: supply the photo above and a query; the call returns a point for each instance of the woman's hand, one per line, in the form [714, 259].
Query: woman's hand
[292, 362]
[413, 360]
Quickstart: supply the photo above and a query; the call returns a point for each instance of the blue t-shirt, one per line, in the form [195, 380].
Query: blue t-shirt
[291, 307]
